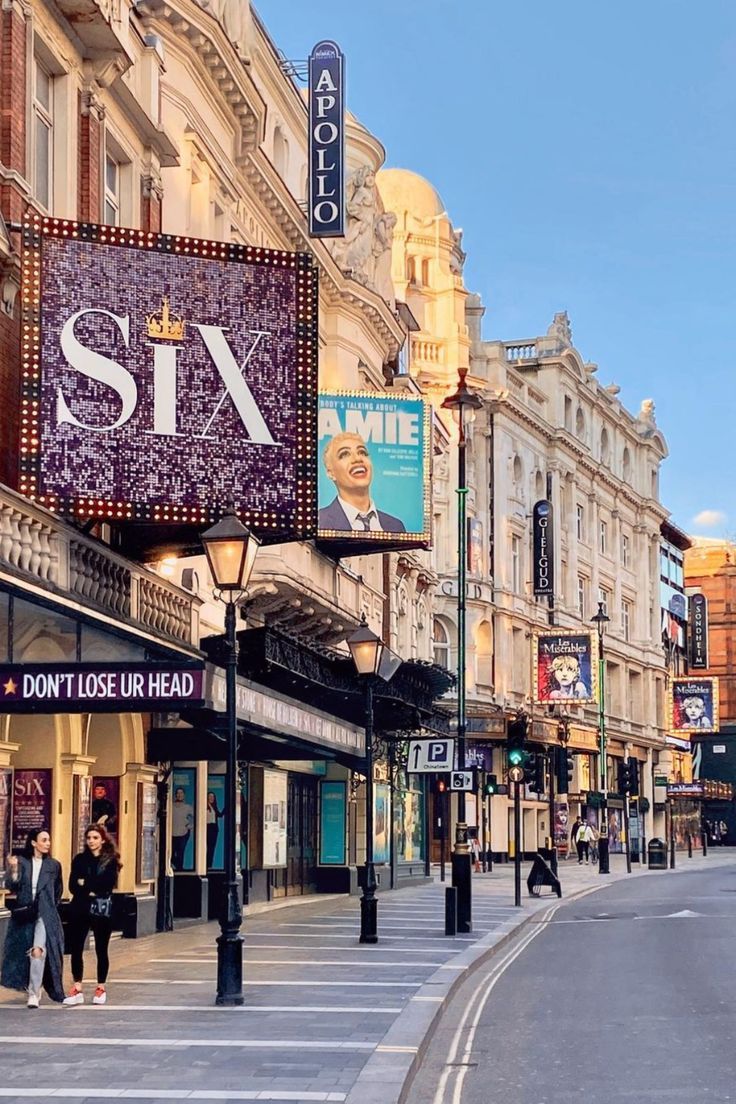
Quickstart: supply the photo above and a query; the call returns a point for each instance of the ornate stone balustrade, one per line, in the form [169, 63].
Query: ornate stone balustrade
[520, 350]
[36, 546]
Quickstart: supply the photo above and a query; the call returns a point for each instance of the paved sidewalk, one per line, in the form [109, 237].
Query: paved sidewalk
[325, 1018]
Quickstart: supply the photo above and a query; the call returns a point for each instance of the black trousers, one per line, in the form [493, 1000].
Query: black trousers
[582, 846]
[79, 929]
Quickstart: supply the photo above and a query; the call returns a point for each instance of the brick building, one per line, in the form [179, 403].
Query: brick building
[710, 567]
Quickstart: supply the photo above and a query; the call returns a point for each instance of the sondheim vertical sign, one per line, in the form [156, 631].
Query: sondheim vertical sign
[326, 141]
[699, 632]
[543, 549]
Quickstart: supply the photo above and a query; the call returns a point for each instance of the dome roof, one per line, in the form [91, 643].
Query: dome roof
[403, 190]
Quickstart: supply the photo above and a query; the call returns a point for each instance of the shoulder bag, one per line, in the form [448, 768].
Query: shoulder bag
[100, 908]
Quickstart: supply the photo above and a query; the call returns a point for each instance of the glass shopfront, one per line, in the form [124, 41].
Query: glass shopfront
[409, 819]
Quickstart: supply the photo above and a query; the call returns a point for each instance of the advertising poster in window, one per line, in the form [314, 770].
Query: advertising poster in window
[183, 821]
[6, 804]
[82, 806]
[147, 822]
[565, 667]
[693, 705]
[333, 820]
[274, 818]
[31, 804]
[381, 821]
[106, 803]
[562, 826]
[215, 822]
[373, 481]
[243, 784]
[409, 824]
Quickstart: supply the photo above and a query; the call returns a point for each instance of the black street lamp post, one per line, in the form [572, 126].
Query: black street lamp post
[463, 404]
[231, 551]
[366, 650]
[600, 621]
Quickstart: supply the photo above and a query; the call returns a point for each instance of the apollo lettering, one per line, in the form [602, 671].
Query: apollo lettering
[163, 360]
[382, 427]
[326, 137]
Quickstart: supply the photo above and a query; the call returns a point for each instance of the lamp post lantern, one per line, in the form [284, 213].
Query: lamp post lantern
[463, 404]
[600, 621]
[366, 649]
[231, 551]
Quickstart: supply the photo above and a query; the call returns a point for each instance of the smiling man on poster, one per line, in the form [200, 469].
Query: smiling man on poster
[348, 464]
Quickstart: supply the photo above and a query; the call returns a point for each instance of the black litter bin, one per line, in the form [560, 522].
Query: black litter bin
[657, 854]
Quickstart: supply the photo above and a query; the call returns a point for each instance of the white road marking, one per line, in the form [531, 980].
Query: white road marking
[172, 1094]
[475, 1009]
[286, 1045]
[302, 981]
[205, 959]
[228, 1010]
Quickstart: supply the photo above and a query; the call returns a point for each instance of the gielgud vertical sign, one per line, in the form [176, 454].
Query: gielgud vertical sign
[166, 376]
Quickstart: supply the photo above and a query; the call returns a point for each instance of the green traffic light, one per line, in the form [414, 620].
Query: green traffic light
[516, 757]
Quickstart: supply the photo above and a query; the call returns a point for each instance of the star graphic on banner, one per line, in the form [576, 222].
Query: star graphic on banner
[10, 687]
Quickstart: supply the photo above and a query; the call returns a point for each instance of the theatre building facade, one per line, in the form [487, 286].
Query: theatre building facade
[184, 124]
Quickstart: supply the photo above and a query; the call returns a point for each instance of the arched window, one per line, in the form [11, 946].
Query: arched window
[517, 469]
[411, 270]
[425, 273]
[539, 487]
[484, 654]
[605, 447]
[280, 152]
[580, 423]
[440, 644]
[626, 465]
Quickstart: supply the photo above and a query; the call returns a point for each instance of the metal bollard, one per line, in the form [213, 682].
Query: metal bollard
[450, 910]
[689, 846]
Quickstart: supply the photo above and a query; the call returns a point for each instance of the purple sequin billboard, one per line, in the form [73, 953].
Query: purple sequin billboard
[165, 377]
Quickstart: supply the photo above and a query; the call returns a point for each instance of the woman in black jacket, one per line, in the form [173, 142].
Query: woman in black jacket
[92, 880]
[34, 944]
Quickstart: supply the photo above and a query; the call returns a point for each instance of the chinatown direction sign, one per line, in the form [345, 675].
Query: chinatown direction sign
[98, 687]
[428, 756]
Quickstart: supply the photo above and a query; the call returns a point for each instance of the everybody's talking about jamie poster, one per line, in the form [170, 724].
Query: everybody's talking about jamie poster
[373, 467]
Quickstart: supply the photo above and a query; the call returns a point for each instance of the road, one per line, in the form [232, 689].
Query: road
[625, 995]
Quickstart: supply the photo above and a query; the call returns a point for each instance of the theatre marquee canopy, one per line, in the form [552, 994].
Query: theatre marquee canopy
[99, 687]
[165, 376]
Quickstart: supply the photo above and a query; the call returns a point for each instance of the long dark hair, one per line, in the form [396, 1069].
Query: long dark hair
[31, 839]
[108, 853]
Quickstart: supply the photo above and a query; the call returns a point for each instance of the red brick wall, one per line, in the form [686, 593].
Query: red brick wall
[12, 91]
[88, 163]
[150, 208]
[712, 568]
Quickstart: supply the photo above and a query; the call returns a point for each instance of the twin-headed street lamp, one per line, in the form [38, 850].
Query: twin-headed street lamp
[231, 551]
[600, 621]
[463, 404]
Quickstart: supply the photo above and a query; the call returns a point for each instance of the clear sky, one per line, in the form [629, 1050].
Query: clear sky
[587, 150]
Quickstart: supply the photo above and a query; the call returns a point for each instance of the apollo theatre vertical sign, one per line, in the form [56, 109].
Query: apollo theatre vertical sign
[164, 377]
[326, 141]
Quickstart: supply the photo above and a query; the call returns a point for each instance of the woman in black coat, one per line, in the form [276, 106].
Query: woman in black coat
[92, 880]
[34, 945]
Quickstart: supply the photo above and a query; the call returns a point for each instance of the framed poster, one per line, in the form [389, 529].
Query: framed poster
[147, 822]
[6, 808]
[693, 705]
[31, 804]
[333, 808]
[274, 818]
[216, 791]
[106, 803]
[183, 820]
[565, 667]
[562, 826]
[82, 807]
[381, 821]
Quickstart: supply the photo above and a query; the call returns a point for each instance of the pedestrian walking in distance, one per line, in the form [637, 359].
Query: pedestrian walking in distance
[582, 841]
[93, 877]
[33, 957]
[574, 835]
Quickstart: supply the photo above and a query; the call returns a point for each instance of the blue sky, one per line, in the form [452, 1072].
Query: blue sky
[587, 150]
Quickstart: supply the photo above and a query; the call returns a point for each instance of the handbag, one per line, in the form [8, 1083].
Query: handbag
[100, 908]
[26, 914]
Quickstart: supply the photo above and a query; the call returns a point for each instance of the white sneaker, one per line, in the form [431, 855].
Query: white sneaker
[76, 996]
[34, 1000]
[100, 996]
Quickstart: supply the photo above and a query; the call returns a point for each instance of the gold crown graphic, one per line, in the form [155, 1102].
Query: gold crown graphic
[164, 324]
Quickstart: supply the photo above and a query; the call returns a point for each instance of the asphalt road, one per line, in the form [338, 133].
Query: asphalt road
[626, 995]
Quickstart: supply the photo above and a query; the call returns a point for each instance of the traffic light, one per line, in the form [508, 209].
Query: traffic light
[490, 786]
[564, 769]
[624, 777]
[634, 775]
[440, 784]
[515, 742]
[535, 774]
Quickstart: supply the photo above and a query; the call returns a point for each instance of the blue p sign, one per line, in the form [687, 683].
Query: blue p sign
[437, 752]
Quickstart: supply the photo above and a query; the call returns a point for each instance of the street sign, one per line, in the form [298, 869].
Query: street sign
[516, 774]
[462, 780]
[429, 756]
